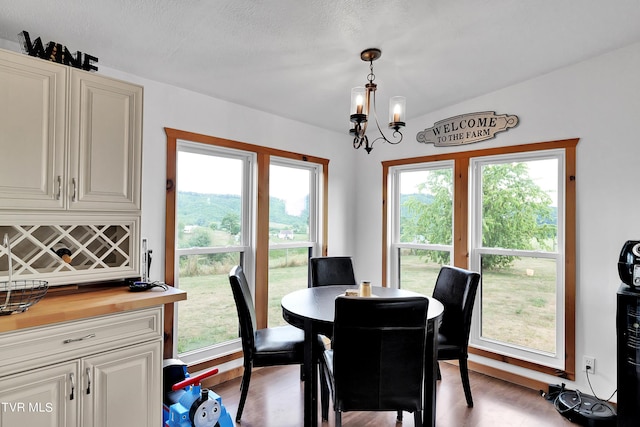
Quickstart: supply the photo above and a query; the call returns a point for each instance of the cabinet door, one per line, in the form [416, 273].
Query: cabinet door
[106, 143]
[32, 132]
[46, 397]
[123, 388]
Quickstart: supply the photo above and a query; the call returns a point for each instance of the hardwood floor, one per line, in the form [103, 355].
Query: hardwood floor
[276, 399]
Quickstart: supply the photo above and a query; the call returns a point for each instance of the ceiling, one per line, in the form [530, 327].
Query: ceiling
[300, 58]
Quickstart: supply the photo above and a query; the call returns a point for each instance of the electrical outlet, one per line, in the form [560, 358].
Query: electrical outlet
[589, 363]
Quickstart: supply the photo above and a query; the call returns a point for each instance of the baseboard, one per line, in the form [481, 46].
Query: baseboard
[222, 377]
[473, 366]
[504, 375]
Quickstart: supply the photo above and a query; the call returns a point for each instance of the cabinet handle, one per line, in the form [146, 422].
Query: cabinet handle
[88, 380]
[86, 337]
[75, 186]
[73, 385]
[59, 192]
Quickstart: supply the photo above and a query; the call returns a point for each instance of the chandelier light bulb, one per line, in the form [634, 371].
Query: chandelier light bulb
[397, 108]
[359, 102]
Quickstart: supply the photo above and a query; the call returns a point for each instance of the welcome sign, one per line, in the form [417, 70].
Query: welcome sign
[466, 129]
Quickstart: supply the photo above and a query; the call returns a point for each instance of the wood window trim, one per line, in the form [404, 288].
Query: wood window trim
[461, 234]
[262, 232]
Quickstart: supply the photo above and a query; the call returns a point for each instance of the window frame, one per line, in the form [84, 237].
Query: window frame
[461, 235]
[315, 200]
[394, 221]
[259, 240]
[313, 244]
[477, 249]
[243, 248]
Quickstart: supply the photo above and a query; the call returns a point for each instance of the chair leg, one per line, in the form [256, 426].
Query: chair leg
[399, 417]
[464, 375]
[324, 392]
[417, 418]
[244, 390]
[438, 374]
[338, 419]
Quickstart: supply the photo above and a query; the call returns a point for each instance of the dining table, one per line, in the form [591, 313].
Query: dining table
[312, 310]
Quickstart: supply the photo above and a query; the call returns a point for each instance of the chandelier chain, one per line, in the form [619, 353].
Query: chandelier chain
[371, 77]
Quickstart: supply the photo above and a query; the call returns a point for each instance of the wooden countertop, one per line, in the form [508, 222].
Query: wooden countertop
[74, 306]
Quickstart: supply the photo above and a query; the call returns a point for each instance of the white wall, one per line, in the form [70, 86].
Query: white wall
[597, 101]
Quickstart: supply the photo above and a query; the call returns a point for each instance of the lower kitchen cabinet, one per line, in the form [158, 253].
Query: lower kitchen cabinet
[123, 387]
[103, 371]
[44, 397]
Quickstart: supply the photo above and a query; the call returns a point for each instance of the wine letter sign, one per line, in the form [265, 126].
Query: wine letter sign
[56, 52]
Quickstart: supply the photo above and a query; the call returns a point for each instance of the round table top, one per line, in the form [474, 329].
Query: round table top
[318, 304]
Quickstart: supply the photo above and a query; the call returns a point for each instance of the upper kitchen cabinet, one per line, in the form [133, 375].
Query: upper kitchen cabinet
[70, 139]
[105, 143]
[32, 132]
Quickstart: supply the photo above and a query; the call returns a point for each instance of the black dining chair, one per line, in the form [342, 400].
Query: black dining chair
[325, 271]
[281, 345]
[456, 290]
[377, 359]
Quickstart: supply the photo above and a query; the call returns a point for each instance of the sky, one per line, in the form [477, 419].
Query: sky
[209, 174]
[543, 172]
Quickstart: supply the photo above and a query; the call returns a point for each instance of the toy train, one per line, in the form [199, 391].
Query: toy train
[186, 404]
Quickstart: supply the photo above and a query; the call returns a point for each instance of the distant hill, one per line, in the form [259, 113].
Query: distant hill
[203, 209]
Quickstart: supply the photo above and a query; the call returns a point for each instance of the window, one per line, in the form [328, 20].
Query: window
[508, 213]
[231, 203]
[213, 233]
[293, 229]
[422, 234]
[517, 245]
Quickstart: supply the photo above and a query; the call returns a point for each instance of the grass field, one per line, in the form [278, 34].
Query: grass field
[209, 315]
[518, 303]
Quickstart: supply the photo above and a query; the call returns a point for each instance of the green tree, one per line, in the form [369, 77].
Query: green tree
[200, 238]
[231, 223]
[430, 222]
[516, 213]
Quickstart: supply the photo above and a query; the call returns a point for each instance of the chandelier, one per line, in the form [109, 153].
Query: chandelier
[363, 101]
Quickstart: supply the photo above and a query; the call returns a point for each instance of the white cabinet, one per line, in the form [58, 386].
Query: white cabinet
[69, 139]
[98, 372]
[105, 143]
[44, 397]
[32, 132]
[122, 386]
[70, 170]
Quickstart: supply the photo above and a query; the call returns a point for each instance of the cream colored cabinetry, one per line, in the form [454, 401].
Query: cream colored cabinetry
[70, 171]
[98, 372]
[42, 397]
[69, 139]
[32, 132]
[123, 389]
[106, 142]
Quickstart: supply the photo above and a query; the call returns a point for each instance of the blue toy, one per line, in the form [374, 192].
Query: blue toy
[186, 404]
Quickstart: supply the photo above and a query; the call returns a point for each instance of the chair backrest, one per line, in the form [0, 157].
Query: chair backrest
[378, 353]
[456, 290]
[326, 271]
[246, 311]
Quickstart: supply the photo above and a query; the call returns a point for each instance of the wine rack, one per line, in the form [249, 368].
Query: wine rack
[60, 253]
